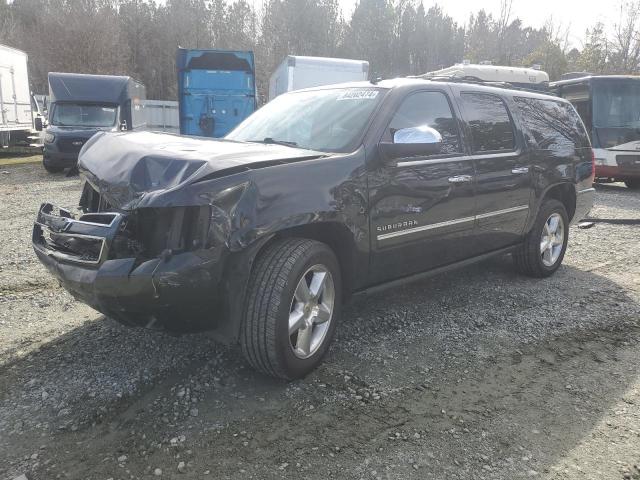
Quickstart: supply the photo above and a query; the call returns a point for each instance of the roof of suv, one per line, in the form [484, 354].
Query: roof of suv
[402, 82]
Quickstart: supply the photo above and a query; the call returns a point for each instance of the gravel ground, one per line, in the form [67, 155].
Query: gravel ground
[478, 373]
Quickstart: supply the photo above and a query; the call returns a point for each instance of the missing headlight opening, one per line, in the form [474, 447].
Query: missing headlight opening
[148, 233]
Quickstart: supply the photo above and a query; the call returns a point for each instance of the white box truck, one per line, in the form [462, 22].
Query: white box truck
[17, 107]
[296, 72]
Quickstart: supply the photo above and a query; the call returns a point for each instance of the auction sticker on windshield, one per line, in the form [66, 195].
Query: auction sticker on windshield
[358, 94]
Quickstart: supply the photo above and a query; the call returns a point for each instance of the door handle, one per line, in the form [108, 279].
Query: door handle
[520, 170]
[461, 179]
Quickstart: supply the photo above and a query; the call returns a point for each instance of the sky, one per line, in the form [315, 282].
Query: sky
[577, 15]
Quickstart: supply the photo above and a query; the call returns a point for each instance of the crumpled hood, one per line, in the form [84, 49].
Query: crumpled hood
[125, 166]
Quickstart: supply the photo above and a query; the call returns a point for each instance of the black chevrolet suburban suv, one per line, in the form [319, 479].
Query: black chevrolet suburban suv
[320, 194]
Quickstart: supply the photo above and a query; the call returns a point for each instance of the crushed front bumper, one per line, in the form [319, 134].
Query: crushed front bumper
[176, 291]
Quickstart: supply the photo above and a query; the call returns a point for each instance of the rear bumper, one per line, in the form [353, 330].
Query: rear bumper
[584, 204]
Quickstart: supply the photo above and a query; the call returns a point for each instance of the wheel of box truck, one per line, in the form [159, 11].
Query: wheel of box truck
[292, 308]
[633, 184]
[542, 251]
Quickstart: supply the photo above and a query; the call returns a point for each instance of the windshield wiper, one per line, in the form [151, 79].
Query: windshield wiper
[275, 142]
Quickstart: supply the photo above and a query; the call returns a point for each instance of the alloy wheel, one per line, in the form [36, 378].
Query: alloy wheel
[552, 240]
[311, 311]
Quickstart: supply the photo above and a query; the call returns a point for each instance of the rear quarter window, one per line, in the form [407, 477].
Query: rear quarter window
[552, 125]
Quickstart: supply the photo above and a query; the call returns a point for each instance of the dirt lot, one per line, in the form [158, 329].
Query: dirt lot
[475, 374]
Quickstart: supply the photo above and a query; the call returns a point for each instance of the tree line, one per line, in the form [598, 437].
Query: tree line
[397, 37]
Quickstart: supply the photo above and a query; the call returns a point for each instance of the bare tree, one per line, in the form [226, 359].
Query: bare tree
[502, 24]
[626, 38]
[397, 37]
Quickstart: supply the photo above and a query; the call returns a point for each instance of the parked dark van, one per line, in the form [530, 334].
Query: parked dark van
[81, 105]
[321, 194]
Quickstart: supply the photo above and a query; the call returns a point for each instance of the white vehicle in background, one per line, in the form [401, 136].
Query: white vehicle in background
[529, 78]
[297, 72]
[609, 106]
[18, 109]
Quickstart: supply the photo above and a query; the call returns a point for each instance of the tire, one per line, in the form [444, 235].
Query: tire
[633, 184]
[530, 259]
[273, 301]
[51, 169]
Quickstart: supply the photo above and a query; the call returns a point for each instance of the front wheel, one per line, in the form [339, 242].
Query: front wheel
[292, 308]
[633, 184]
[51, 168]
[542, 251]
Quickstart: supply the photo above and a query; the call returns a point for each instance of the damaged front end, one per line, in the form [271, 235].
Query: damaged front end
[166, 231]
[149, 267]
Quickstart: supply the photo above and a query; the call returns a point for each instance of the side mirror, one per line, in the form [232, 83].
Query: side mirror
[123, 126]
[38, 124]
[412, 142]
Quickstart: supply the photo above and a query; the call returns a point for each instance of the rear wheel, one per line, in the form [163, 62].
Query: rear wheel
[633, 184]
[544, 247]
[293, 305]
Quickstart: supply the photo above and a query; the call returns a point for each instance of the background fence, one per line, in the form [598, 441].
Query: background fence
[162, 115]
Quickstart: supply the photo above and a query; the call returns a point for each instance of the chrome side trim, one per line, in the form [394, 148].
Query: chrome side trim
[503, 211]
[433, 161]
[508, 154]
[432, 226]
[413, 163]
[399, 233]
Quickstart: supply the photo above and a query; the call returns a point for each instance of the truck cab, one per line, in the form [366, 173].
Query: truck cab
[81, 105]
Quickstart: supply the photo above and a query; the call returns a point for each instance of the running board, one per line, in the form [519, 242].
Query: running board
[429, 273]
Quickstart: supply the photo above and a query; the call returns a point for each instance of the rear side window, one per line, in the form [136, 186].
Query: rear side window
[552, 125]
[431, 109]
[490, 123]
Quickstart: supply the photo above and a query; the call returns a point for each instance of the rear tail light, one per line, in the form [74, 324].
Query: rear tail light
[593, 164]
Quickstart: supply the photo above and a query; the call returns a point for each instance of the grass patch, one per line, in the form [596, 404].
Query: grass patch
[16, 160]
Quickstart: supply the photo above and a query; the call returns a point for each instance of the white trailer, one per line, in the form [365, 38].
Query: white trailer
[296, 72]
[16, 110]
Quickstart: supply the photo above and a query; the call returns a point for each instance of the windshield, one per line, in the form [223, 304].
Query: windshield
[616, 112]
[330, 120]
[84, 115]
